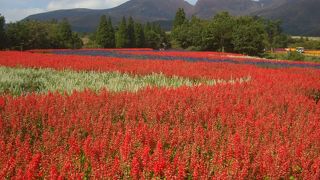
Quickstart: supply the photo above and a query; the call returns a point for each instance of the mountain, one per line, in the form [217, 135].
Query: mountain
[81, 20]
[208, 8]
[299, 17]
[150, 10]
[84, 20]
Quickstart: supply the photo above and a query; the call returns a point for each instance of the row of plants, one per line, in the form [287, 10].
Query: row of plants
[21, 81]
[203, 70]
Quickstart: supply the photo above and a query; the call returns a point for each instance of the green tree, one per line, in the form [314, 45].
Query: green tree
[17, 35]
[105, 37]
[65, 34]
[196, 32]
[76, 41]
[121, 34]
[111, 35]
[192, 34]
[179, 31]
[139, 35]
[180, 18]
[130, 33]
[152, 39]
[2, 33]
[28, 35]
[102, 33]
[274, 36]
[163, 43]
[155, 37]
[248, 36]
[40, 35]
[180, 36]
[219, 32]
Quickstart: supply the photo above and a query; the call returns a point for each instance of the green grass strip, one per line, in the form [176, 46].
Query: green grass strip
[20, 81]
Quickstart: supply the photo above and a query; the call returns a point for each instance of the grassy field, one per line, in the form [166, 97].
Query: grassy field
[311, 38]
[307, 57]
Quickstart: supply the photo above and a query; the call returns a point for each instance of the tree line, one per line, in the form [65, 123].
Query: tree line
[128, 34]
[307, 43]
[223, 32]
[31, 34]
[226, 33]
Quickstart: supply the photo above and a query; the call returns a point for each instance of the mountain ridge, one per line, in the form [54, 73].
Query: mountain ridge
[298, 16]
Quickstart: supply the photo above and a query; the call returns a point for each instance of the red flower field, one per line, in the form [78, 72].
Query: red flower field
[266, 128]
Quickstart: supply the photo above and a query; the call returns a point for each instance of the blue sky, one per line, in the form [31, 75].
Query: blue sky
[14, 10]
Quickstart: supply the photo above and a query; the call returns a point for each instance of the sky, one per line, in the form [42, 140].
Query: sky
[14, 10]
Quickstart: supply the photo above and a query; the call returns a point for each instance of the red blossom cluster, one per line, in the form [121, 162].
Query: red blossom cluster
[91, 49]
[267, 128]
[141, 67]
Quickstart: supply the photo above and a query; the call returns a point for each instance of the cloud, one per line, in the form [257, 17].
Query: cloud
[92, 4]
[13, 15]
[192, 1]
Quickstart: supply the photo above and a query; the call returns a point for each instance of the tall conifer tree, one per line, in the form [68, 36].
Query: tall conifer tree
[2, 33]
[121, 35]
[130, 31]
[102, 32]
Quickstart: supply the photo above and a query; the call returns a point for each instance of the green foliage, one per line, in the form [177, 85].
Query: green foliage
[180, 31]
[101, 34]
[66, 37]
[41, 35]
[130, 33]
[190, 34]
[179, 19]
[65, 33]
[248, 36]
[121, 34]
[152, 39]
[155, 37]
[139, 35]
[18, 35]
[305, 42]
[296, 56]
[215, 34]
[275, 38]
[91, 41]
[76, 41]
[2, 33]
[219, 32]
[293, 55]
[105, 37]
[111, 34]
